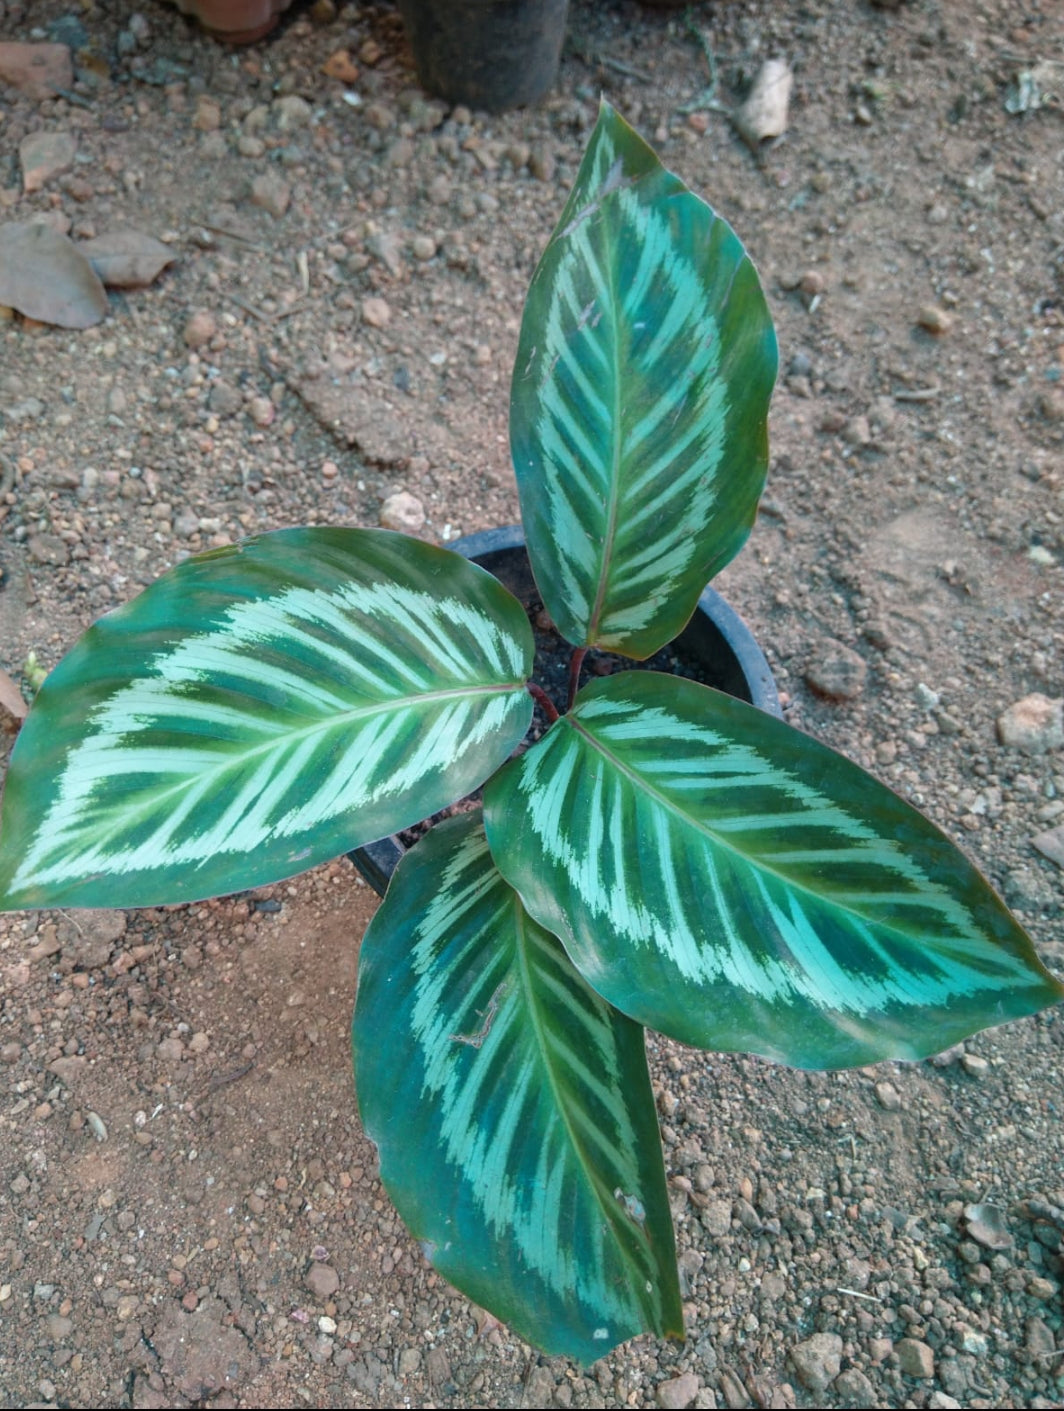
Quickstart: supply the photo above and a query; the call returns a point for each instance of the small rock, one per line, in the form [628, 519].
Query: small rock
[292, 112]
[852, 1388]
[1040, 1340]
[208, 115]
[384, 246]
[975, 1065]
[271, 192]
[948, 1056]
[409, 1361]
[322, 1280]
[423, 246]
[817, 1360]
[1051, 404]
[341, 66]
[58, 1327]
[888, 1097]
[941, 1400]
[38, 70]
[171, 1050]
[376, 312]
[716, 1218]
[836, 671]
[970, 1340]
[857, 432]
[200, 329]
[187, 523]
[403, 512]
[262, 411]
[1042, 1289]
[224, 399]
[67, 1069]
[1034, 724]
[934, 320]
[915, 1358]
[678, 1392]
[541, 164]
[44, 155]
[1051, 844]
[48, 548]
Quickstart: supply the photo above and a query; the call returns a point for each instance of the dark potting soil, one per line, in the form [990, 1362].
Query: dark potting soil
[551, 672]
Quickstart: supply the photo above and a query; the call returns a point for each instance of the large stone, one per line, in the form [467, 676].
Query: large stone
[322, 1280]
[38, 70]
[1034, 724]
[817, 1360]
[678, 1392]
[44, 155]
[404, 512]
[915, 1358]
[836, 671]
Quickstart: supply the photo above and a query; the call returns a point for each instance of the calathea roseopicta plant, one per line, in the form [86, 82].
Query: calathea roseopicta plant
[663, 856]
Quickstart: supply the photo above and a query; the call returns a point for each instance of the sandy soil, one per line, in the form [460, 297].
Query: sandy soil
[189, 1212]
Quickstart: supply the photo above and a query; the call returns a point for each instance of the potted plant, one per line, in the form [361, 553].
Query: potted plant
[664, 855]
[487, 54]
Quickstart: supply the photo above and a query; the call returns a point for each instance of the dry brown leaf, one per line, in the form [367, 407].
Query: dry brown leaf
[46, 277]
[13, 709]
[127, 259]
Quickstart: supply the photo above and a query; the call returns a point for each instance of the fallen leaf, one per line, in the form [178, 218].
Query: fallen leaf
[13, 709]
[127, 259]
[46, 277]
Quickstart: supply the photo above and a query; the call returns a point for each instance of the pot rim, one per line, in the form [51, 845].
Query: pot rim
[377, 861]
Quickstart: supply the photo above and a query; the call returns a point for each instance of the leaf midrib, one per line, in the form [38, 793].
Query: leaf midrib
[609, 538]
[782, 877]
[602, 1195]
[228, 762]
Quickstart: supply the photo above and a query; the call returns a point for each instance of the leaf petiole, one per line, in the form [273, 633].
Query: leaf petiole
[544, 701]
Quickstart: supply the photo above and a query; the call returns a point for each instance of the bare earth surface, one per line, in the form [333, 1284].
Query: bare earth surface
[189, 1212]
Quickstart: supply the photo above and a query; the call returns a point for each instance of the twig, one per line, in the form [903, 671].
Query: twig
[221, 1080]
[917, 394]
[855, 1293]
[707, 99]
[232, 235]
[248, 308]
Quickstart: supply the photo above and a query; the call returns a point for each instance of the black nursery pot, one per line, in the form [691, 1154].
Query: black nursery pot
[716, 638]
[487, 54]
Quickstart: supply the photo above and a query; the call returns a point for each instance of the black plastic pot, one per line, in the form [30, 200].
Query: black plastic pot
[487, 54]
[716, 637]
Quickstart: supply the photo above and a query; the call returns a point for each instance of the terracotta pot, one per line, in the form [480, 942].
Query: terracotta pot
[235, 21]
[716, 638]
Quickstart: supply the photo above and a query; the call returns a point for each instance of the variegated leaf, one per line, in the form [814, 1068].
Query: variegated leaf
[639, 400]
[725, 879]
[512, 1108]
[257, 710]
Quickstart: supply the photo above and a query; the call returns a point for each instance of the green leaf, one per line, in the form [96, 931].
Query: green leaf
[512, 1108]
[639, 400]
[257, 710]
[731, 882]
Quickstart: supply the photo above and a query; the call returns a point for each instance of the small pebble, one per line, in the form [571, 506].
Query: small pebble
[376, 312]
[934, 320]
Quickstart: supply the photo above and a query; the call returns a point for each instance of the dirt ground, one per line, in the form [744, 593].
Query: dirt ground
[189, 1212]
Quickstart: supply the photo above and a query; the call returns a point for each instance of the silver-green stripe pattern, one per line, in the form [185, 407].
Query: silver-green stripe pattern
[728, 880]
[514, 1134]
